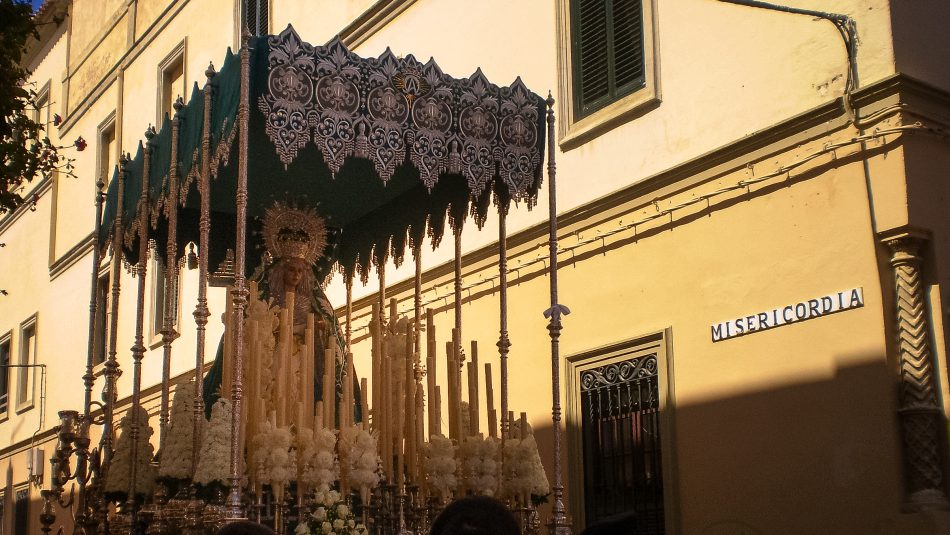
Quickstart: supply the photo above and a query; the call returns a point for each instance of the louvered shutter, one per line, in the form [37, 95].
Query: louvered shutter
[607, 41]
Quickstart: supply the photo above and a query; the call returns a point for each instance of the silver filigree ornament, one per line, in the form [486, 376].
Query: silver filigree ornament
[390, 110]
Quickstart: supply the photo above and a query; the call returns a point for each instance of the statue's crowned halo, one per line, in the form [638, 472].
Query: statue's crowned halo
[291, 232]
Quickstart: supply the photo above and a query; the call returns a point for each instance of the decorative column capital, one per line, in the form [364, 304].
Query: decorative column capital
[905, 244]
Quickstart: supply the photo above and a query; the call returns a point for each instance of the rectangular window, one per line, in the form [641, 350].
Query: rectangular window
[255, 16]
[107, 158]
[162, 298]
[607, 65]
[41, 110]
[21, 511]
[26, 358]
[171, 82]
[5, 353]
[615, 422]
[101, 328]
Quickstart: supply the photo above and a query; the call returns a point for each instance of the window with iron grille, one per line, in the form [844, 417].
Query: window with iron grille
[616, 409]
[21, 511]
[255, 16]
[607, 52]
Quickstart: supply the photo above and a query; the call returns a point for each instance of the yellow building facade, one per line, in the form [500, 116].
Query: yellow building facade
[752, 226]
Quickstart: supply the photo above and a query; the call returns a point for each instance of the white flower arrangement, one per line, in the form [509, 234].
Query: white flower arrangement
[362, 459]
[273, 459]
[440, 465]
[117, 478]
[214, 459]
[524, 473]
[538, 480]
[480, 465]
[321, 468]
[329, 515]
[264, 311]
[177, 450]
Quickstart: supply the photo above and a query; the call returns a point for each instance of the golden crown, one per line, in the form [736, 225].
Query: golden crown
[291, 232]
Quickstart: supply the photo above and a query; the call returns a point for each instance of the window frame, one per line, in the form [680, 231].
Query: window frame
[104, 309]
[177, 56]
[158, 321]
[660, 343]
[42, 116]
[16, 528]
[573, 130]
[42, 100]
[103, 168]
[27, 374]
[7, 339]
[243, 5]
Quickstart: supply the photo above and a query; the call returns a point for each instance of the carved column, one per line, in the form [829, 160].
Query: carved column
[919, 411]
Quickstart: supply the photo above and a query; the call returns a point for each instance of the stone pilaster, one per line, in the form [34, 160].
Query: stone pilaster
[919, 410]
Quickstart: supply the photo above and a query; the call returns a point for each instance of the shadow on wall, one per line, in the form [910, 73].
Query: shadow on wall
[809, 457]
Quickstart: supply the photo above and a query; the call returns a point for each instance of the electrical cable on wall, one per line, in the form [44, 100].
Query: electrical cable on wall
[784, 170]
[847, 28]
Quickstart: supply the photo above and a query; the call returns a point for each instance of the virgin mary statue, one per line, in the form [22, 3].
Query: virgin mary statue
[296, 242]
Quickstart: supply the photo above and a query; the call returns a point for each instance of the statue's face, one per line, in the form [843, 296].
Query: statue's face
[293, 273]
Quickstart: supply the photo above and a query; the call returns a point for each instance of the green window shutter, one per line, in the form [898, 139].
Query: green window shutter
[607, 51]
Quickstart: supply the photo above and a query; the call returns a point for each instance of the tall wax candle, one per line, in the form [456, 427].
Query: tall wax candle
[431, 359]
[490, 402]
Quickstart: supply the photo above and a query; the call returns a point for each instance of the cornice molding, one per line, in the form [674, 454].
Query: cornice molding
[70, 257]
[49, 22]
[6, 221]
[372, 20]
[78, 110]
[811, 124]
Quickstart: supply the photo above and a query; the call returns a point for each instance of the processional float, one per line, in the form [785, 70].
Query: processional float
[383, 152]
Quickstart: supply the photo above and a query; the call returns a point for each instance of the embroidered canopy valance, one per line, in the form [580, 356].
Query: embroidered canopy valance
[387, 149]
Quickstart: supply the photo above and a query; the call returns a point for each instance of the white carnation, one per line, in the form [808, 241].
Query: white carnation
[272, 458]
[480, 468]
[214, 459]
[179, 440]
[440, 465]
[117, 479]
[321, 468]
[524, 473]
[363, 459]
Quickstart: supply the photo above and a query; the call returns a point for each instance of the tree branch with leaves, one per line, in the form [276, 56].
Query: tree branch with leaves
[26, 151]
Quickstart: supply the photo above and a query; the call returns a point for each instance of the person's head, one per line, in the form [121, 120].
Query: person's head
[475, 515]
[294, 269]
[290, 274]
[297, 238]
[244, 527]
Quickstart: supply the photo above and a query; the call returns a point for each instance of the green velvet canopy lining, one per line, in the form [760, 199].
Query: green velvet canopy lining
[374, 217]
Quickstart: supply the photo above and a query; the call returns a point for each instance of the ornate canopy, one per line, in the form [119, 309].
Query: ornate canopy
[385, 148]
